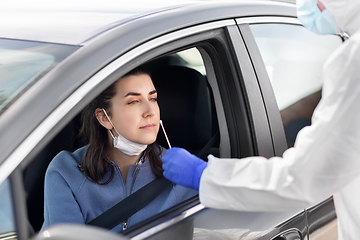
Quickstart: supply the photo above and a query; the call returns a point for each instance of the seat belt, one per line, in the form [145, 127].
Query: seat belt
[211, 142]
[130, 205]
[139, 199]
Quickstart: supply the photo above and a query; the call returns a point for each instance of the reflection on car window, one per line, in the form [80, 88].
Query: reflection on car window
[193, 59]
[293, 58]
[7, 219]
[18, 68]
[22, 62]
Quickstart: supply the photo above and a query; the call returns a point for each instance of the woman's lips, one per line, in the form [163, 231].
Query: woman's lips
[148, 127]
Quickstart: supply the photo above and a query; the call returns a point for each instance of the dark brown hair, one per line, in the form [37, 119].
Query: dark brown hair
[95, 162]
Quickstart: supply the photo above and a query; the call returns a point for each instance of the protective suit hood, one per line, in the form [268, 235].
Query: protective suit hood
[346, 14]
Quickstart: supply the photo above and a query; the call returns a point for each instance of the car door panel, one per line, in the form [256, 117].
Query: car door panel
[252, 95]
[326, 228]
[272, 111]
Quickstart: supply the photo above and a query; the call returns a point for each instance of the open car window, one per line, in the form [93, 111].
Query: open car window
[187, 109]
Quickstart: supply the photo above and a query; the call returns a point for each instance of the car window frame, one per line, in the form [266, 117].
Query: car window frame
[273, 114]
[226, 77]
[233, 81]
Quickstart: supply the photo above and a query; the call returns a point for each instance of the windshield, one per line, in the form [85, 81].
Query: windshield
[22, 63]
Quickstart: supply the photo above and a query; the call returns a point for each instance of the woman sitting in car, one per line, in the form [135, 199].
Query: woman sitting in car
[121, 125]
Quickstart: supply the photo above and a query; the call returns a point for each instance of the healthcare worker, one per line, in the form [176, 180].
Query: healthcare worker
[325, 160]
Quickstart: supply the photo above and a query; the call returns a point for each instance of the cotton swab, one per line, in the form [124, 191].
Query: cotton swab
[167, 139]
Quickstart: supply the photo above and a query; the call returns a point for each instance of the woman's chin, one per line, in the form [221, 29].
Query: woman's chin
[148, 141]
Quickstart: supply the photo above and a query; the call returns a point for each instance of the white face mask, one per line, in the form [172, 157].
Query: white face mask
[127, 147]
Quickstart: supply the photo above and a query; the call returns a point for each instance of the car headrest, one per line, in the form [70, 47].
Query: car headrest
[185, 102]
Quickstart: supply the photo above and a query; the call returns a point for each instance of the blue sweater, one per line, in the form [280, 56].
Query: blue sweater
[71, 198]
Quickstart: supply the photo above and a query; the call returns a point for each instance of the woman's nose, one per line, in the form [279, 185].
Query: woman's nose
[150, 109]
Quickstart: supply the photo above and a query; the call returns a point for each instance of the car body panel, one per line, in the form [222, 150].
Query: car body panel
[72, 232]
[46, 19]
[70, 22]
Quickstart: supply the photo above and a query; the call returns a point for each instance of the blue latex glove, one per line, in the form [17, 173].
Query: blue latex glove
[181, 167]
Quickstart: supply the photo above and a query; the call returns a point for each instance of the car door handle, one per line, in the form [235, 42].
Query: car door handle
[289, 235]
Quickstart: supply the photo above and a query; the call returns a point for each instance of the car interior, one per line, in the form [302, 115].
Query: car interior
[187, 111]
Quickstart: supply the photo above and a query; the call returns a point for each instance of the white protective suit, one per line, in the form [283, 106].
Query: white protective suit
[325, 160]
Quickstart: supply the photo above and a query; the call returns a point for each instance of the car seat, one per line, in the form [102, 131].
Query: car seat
[186, 108]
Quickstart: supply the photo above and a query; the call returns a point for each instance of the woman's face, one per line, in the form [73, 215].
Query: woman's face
[135, 112]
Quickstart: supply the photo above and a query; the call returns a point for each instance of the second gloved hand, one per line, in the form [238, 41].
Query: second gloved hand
[181, 167]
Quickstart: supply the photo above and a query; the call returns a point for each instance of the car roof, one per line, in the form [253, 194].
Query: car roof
[76, 21]
[69, 22]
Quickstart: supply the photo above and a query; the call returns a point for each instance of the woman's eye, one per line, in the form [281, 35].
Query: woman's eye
[153, 99]
[133, 102]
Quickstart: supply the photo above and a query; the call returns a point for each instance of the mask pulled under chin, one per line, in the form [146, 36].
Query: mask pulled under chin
[126, 146]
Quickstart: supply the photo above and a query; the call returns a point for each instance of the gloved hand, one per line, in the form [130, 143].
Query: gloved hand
[181, 167]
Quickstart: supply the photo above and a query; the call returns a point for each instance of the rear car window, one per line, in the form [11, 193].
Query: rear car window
[22, 63]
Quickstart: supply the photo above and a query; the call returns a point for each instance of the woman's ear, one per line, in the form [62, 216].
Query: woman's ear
[102, 118]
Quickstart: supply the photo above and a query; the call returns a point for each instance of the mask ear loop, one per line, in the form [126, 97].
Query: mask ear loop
[111, 124]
